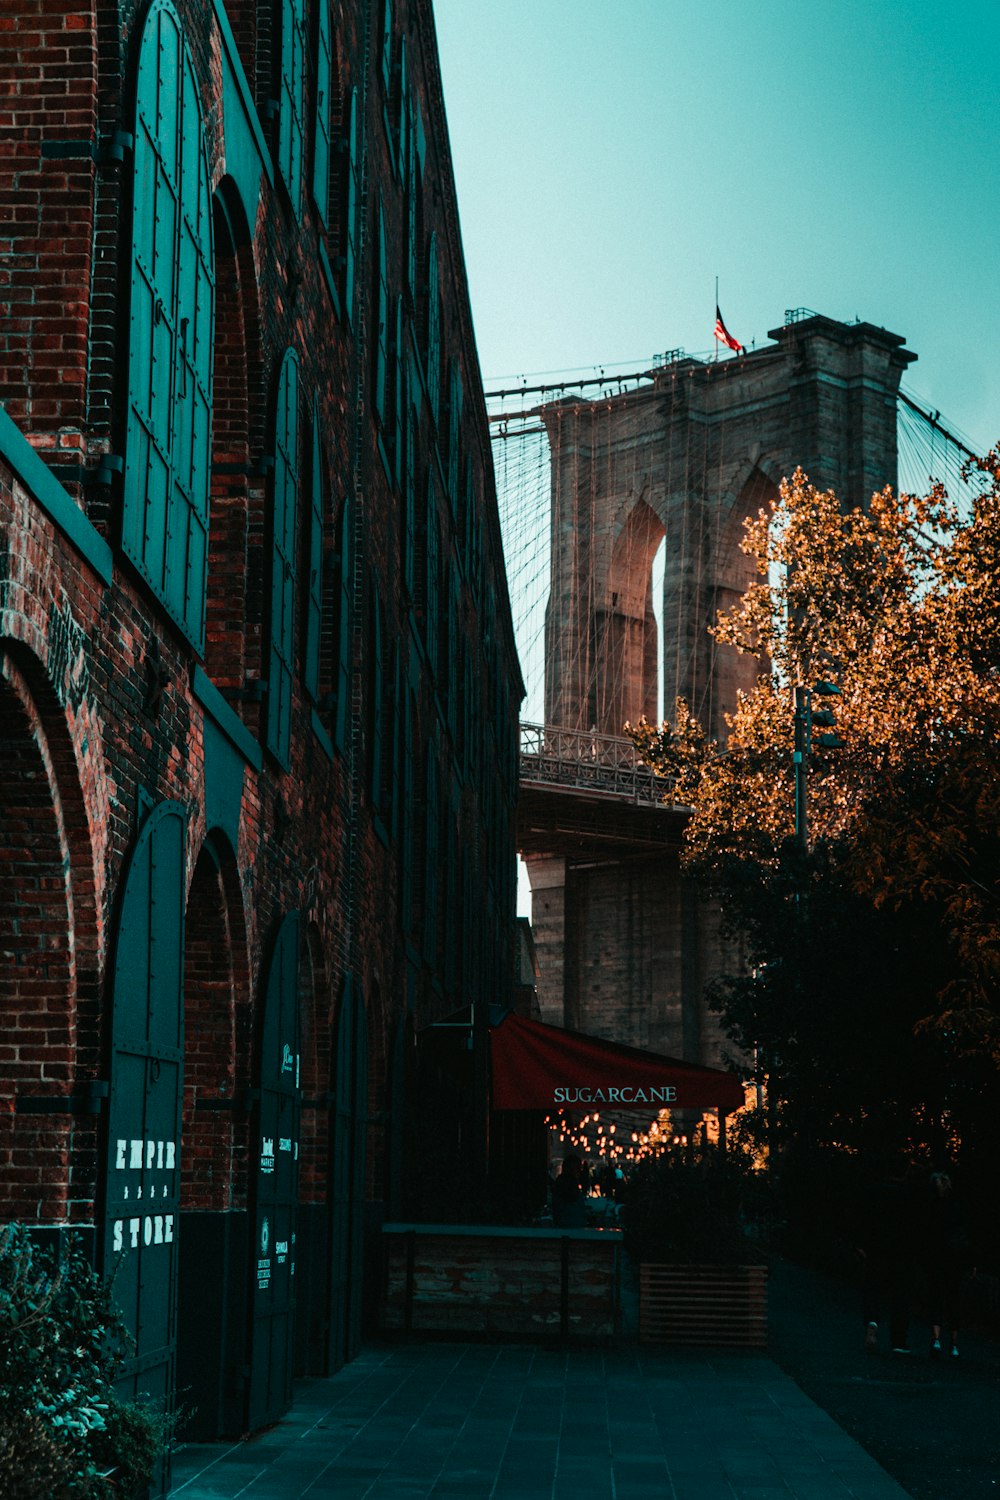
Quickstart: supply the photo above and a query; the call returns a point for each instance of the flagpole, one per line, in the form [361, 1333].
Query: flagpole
[716, 314]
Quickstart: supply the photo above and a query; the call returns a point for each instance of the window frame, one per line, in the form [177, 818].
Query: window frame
[292, 102]
[282, 592]
[168, 442]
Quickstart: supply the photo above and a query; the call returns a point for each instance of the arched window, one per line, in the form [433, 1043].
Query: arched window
[291, 100]
[376, 702]
[314, 564]
[401, 125]
[284, 508]
[432, 332]
[431, 577]
[397, 366]
[472, 531]
[409, 507]
[454, 429]
[415, 153]
[382, 324]
[349, 190]
[431, 847]
[323, 119]
[408, 759]
[386, 54]
[342, 626]
[453, 892]
[165, 515]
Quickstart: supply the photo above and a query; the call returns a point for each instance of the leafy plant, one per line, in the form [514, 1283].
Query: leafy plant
[33, 1460]
[63, 1430]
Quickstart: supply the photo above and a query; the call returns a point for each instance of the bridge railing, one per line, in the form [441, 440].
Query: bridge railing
[586, 761]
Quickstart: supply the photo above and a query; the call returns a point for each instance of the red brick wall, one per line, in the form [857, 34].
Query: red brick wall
[210, 1062]
[48, 62]
[110, 677]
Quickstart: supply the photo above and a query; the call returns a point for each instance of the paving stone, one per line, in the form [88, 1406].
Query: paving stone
[470, 1423]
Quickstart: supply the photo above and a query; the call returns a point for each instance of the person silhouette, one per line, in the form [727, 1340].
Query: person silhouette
[568, 1198]
[946, 1255]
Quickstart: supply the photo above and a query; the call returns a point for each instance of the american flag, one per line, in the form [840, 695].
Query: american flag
[723, 335]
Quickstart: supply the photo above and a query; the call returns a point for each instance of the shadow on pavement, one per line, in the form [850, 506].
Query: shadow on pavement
[934, 1425]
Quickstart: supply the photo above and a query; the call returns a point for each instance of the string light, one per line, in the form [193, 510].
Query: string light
[591, 1137]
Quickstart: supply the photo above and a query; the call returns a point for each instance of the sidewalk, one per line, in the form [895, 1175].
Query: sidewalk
[480, 1422]
[934, 1425]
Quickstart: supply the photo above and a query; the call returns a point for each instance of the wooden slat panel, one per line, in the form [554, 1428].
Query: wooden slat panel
[703, 1305]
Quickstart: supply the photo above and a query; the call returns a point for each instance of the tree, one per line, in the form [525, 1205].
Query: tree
[885, 935]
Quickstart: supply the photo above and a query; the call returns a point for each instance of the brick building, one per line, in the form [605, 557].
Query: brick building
[258, 686]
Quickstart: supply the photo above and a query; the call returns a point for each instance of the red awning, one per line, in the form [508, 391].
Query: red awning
[544, 1067]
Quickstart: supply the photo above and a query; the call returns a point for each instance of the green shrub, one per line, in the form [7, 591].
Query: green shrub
[62, 1344]
[33, 1461]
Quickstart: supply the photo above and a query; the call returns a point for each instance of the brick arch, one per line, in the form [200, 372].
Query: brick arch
[214, 1140]
[754, 489]
[237, 436]
[48, 953]
[216, 1069]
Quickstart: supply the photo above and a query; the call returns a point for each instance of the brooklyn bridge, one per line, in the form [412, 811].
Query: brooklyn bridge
[623, 499]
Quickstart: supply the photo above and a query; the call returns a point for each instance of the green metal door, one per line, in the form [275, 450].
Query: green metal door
[142, 1147]
[274, 1167]
[347, 1188]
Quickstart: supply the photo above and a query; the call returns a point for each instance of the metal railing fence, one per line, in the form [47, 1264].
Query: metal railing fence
[583, 760]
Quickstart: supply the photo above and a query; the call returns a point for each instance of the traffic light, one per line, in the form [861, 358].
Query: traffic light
[823, 717]
[806, 719]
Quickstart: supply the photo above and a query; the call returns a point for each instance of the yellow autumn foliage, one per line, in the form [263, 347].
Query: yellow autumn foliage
[898, 604]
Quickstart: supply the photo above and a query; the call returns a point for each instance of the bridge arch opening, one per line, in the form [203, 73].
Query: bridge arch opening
[734, 672]
[626, 632]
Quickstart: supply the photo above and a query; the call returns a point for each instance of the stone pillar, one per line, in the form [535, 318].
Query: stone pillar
[547, 876]
[842, 382]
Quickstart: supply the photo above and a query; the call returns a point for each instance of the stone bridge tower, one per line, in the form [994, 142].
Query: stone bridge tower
[624, 949]
[686, 459]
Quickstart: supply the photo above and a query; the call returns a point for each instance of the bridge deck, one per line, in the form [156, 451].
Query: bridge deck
[584, 761]
[587, 795]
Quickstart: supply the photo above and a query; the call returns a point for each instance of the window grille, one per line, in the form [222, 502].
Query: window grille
[314, 598]
[283, 511]
[323, 120]
[291, 100]
[172, 310]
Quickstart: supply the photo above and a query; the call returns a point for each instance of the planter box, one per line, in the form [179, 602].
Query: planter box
[722, 1305]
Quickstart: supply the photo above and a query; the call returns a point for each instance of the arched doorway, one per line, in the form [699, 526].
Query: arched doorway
[274, 1164]
[211, 1334]
[36, 970]
[142, 1155]
[312, 1296]
[347, 1186]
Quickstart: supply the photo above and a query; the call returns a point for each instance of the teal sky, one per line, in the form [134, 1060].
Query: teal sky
[613, 157]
